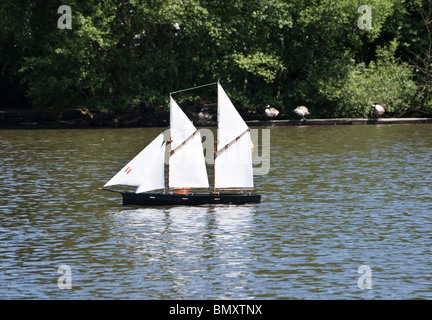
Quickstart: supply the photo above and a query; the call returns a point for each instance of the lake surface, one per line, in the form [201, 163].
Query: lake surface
[335, 198]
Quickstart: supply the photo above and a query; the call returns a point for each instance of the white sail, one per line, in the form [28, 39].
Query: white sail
[233, 165]
[145, 170]
[155, 172]
[187, 168]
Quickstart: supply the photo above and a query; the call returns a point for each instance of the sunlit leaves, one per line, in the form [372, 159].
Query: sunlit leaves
[264, 65]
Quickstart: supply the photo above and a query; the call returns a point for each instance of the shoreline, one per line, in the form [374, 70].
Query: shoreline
[339, 121]
[19, 119]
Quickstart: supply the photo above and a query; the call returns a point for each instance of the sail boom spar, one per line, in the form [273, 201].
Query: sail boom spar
[184, 142]
[231, 143]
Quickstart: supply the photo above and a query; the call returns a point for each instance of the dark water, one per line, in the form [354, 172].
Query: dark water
[336, 198]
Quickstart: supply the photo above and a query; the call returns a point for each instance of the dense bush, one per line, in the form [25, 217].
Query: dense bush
[385, 81]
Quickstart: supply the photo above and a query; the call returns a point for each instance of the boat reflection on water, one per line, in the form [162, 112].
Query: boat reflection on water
[188, 249]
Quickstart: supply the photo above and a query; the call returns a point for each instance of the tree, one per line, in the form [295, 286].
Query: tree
[386, 81]
[422, 61]
[126, 56]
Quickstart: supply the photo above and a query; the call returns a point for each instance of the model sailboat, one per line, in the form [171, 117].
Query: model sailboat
[186, 163]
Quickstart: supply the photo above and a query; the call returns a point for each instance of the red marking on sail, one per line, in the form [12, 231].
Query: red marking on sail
[128, 169]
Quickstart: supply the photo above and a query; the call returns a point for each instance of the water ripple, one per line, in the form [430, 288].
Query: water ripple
[336, 197]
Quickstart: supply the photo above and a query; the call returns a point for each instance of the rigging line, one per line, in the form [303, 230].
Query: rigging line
[111, 190]
[192, 88]
[183, 143]
[231, 143]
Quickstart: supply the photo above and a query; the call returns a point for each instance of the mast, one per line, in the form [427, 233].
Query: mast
[169, 155]
[216, 140]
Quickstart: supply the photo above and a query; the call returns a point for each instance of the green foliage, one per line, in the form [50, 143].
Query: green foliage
[260, 64]
[386, 81]
[124, 55]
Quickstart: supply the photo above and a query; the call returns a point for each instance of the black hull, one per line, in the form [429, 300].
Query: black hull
[163, 199]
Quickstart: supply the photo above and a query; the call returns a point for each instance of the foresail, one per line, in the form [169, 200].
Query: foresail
[187, 168]
[155, 174]
[233, 163]
[145, 170]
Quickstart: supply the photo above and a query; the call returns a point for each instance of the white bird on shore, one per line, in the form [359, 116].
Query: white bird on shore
[301, 111]
[204, 115]
[271, 112]
[378, 110]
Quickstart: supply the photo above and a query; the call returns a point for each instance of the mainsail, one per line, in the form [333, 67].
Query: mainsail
[187, 168]
[233, 161]
[145, 170]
